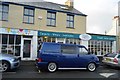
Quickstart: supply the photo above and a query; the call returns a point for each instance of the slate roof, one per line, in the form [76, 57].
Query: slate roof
[51, 6]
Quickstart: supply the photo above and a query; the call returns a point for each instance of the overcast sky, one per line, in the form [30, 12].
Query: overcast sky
[100, 12]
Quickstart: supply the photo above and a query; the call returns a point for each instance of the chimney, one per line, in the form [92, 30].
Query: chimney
[70, 3]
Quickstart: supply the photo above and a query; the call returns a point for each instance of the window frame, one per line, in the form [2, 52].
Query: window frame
[4, 12]
[69, 21]
[51, 18]
[28, 15]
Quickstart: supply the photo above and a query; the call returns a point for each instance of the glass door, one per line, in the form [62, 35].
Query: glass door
[26, 49]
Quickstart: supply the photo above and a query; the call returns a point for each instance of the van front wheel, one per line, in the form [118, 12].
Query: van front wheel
[52, 67]
[91, 67]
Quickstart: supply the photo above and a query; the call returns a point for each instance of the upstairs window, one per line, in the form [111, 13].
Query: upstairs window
[4, 9]
[28, 15]
[51, 18]
[70, 21]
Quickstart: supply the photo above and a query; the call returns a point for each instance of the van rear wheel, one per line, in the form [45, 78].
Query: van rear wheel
[52, 67]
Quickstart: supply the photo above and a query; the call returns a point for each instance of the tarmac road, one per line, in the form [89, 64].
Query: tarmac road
[28, 70]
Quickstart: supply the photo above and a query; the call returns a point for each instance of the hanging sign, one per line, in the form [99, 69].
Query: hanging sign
[85, 37]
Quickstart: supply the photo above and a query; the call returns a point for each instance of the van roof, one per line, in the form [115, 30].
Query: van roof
[62, 44]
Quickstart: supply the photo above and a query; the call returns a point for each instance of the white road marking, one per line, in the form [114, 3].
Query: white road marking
[107, 74]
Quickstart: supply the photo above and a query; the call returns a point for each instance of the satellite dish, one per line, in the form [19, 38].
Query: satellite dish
[85, 37]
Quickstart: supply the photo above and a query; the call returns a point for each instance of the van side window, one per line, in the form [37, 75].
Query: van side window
[68, 49]
[51, 48]
[82, 50]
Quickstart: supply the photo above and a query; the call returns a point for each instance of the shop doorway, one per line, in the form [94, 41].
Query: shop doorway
[27, 49]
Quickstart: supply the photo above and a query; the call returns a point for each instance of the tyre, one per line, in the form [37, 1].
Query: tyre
[91, 67]
[4, 66]
[52, 67]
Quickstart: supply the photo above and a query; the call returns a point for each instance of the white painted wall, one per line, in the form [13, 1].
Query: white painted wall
[114, 46]
[34, 45]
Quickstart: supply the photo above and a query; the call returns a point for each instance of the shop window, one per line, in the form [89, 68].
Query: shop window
[53, 39]
[10, 44]
[49, 39]
[4, 49]
[10, 49]
[17, 50]
[102, 47]
[67, 41]
[4, 43]
[71, 41]
[18, 40]
[11, 39]
[4, 39]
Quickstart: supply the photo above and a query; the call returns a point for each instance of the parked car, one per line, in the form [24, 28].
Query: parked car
[111, 59]
[8, 62]
[53, 56]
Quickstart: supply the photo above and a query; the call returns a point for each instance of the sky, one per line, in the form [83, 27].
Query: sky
[99, 12]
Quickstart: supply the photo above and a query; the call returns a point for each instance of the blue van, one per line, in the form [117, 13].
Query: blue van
[53, 56]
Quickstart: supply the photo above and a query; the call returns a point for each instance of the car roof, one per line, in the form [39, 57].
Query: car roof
[63, 44]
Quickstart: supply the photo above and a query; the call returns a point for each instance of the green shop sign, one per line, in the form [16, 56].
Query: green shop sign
[77, 36]
[58, 34]
[109, 38]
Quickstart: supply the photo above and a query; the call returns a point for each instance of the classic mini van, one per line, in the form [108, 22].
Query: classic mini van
[53, 56]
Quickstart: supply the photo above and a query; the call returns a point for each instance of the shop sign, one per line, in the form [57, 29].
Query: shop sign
[112, 38]
[85, 37]
[58, 34]
[16, 31]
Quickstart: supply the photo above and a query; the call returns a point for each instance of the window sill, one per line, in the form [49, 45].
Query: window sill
[51, 26]
[4, 20]
[27, 23]
[70, 27]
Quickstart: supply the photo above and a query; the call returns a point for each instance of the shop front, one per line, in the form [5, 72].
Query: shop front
[19, 42]
[59, 37]
[102, 44]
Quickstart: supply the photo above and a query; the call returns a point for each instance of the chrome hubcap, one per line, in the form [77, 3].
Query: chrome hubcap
[91, 66]
[52, 67]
